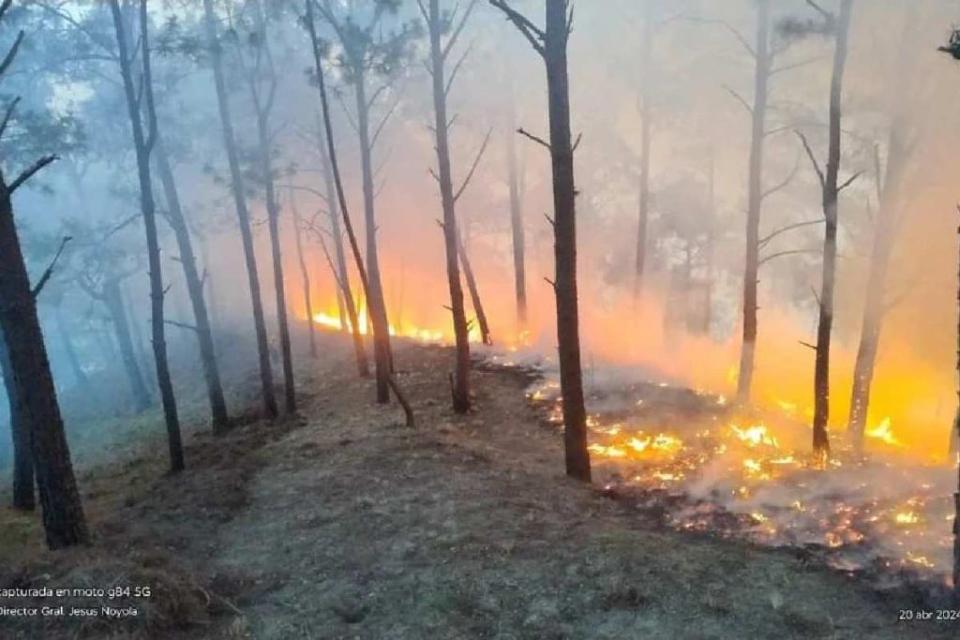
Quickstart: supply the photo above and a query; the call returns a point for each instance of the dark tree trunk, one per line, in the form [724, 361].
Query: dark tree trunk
[954, 460]
[341, 197]
[875, 305]
[243, 214]
[374, 293]
[143, 143]
[208, 357]
[113, 301]
[304, 275]
[565, 241]
[63, 520]
[474, 290]
[516, 225]
[551, 43]
[451, 234]
[23, 496]
[70, 349]
[643, 218]
[821, 384]
[342, 274]
[764, 61]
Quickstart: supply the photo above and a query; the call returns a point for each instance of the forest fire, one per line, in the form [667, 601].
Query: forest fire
[710, 473]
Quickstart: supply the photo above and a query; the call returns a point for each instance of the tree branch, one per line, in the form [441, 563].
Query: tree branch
[739, 99]
[790, 227]
[813, 159]
[785, 182]
[473, 167]
[539, 141]
[49, 270]
[29, 171]
[534, 35]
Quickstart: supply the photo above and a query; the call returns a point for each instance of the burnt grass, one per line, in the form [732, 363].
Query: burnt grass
[342, 523]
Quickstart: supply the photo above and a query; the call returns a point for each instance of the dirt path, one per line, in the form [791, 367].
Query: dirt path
[355, 527]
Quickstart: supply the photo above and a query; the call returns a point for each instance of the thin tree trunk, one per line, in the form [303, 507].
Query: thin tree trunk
[345, 291]
[565, 246]
[754, 201]
[243, 214]
[451, 234]
[63, 520]
[551, 43]
[643, 218]
[23, 496]
[113, 301]
[304, 275]
[376, 305]
[954, 460]
[143, 143]
[821, 398]
[208, 358]
[70, 349]
[516, 224]
[136, 337]
[341, 197]
[874, 309]
[474, 290]
[273, 219]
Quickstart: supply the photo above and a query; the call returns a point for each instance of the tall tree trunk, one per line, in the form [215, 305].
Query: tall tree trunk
[113, 300]
[243, 214]
[136, 337]
[23, 496]
[376, 305]
[821, 385]
[474, 290]
[63, 520]
[764, 61]
[143, 143]
[517, 230]
[345, 291]
[208, 358]
[565, 241]
[273, 219]
[341, 197]
[304, 275]
[451, 234]
[643, 218]
[70, 349]
[875, 305]
[954, 460]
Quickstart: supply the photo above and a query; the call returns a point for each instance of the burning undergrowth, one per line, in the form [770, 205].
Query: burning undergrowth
[689, 461]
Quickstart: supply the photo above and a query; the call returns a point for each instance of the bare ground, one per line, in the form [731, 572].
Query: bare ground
[342, 523]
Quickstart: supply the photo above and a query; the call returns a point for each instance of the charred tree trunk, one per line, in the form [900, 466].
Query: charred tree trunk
[113, 300]
[875, 305]
[341, 197]
[143, 144]
[63, 520]
[304, 275]
[551, 43]
[643, 218]
[243, 213]
[208, 357]
[376, 305]
[565, 241]
[831, 190]
[764, 61]
[345, 291]
[23, 496]
[474, 290]
[451, 234]
[517, 229]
